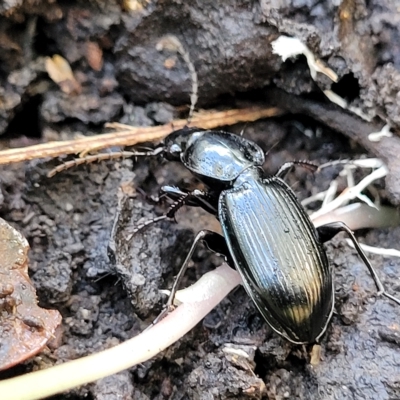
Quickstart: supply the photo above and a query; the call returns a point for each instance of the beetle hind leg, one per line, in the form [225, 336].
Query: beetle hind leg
[328, 231]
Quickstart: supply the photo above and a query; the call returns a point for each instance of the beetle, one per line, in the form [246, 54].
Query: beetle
[267, 235]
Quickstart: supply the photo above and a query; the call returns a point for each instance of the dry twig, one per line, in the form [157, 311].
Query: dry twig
[131, 135]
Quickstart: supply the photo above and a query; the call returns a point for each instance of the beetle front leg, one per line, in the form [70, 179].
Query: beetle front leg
[328, 231]
[196, 198]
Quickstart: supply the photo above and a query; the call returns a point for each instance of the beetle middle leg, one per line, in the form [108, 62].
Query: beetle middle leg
[328, 231]
[285, 168]
[214, 242]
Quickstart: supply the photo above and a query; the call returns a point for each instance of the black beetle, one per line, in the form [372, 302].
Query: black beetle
[268, 236]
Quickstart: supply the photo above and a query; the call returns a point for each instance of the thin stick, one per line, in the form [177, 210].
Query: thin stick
[133, 135]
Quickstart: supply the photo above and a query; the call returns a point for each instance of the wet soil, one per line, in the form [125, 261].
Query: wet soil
[68, 222]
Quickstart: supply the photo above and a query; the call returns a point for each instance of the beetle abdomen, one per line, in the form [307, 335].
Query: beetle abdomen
[277, 252]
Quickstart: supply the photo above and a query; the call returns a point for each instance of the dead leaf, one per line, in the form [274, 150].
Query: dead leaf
[61, 73]
[94, 55]
[25, 328]
[134, 5]
[170, 62]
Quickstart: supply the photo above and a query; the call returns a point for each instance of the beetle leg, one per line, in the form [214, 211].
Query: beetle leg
[143, 225]
[196, 198]
[328, 231]
[214, 242]
[285, 168]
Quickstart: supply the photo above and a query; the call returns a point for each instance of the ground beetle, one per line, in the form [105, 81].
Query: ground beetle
[267, 235]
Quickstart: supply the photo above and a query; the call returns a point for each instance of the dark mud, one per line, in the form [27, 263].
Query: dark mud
[107, 297]
[68, 222]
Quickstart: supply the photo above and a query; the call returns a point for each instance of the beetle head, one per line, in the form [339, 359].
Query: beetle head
[178, 141]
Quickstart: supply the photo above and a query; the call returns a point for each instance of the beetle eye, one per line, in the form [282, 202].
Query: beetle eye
[175, 149]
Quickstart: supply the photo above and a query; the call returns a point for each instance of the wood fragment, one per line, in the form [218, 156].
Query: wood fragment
[61, 73]
[130, 135]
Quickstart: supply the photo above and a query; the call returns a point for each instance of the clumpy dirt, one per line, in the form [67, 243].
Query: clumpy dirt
[107, 290]
[68, 221]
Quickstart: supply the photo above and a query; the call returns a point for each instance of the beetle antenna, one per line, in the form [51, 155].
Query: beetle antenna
[171, 42]
[101, 157]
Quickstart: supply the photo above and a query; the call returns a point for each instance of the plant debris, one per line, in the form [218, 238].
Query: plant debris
[127, 135]
[61, 73]
[25, 328]
[288, 47]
